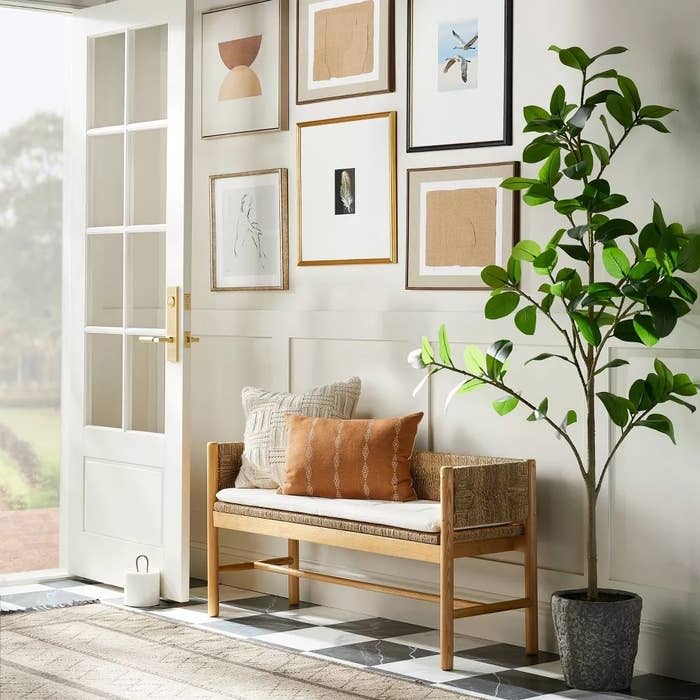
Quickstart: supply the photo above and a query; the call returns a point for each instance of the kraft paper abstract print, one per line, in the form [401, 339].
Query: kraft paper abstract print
[459, 221]
[249, 230]
[344, 48]
[244, 54]
[459, 74]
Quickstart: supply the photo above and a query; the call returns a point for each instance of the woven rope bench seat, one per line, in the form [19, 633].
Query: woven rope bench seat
[472, 534]
[467, 506]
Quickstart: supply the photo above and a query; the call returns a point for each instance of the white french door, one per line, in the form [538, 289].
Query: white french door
[125, 454]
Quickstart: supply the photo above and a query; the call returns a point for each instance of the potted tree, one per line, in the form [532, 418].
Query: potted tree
[602, 277]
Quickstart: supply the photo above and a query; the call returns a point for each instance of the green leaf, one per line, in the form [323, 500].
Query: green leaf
[684, 290]
[578, 232]
[539, 149]
[658, 218]
[609, 52]
[689, 257]
[501, 305]
[601, 152]
[588, 328]
[655, 111]
[547, 356]
[620, 109]
[666, 376]
[526, 250]
[505, 405]
[655, 124]
[644, 326]
[618, 407]
[570, 418]
[568, 206]
[515, 271]
[613, 201]
[533, 112]
[661, 423]
[545, 261]
[496, 357]
[611, 365]
[577, 252]
[462, 387]
[526, 320]
[541, 412]
[518, 183]
[664, 315]
[625, 330]
[580, 117]
[610, 73]
[558, 101]
[630, 91]
[474, 360]
[684, 385]
[494, 276]
[549, 173]
[539, 194]
[614, 229]
[426, 351]
[604, 122]
[600, 97]
[444, 346]
[616, 263]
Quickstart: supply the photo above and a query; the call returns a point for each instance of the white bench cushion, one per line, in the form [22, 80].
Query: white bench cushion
[423, 516]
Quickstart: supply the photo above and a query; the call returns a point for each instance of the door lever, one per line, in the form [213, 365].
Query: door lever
[156, 339]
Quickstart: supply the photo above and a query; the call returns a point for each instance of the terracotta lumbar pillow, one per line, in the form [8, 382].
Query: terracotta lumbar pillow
[332, 458]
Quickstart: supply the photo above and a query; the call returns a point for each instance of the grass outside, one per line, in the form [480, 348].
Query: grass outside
[41, 428]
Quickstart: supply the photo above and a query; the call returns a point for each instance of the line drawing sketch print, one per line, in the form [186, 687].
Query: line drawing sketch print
[248, 228]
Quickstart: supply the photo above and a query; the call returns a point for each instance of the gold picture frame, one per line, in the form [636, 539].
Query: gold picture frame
[280, 71]
[222, 248]
[327, 146]
[381, 78]
[455, 202]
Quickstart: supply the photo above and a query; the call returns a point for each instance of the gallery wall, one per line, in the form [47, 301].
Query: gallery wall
[338, 321]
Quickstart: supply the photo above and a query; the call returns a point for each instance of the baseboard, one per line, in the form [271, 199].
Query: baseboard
[662, 648]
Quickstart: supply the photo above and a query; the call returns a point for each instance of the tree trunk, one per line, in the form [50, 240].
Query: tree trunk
[592, 542]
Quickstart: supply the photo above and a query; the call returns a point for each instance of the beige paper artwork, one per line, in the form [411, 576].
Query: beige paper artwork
[344, 41]
[461, 227]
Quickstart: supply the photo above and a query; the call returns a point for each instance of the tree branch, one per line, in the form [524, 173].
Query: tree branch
[499, 385]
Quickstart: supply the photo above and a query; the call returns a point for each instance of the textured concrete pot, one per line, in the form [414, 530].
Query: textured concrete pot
[597, 640]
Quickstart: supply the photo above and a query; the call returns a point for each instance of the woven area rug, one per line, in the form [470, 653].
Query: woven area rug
[95, 651]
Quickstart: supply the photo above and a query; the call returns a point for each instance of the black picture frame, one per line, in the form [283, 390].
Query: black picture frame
[507, 139]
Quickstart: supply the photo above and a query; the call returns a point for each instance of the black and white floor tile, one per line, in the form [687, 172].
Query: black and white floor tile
[482, 668]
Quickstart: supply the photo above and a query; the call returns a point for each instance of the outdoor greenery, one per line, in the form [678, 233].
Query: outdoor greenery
[30, 315]
[639, 299]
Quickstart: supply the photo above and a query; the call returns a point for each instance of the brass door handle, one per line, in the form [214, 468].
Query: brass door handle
[156, 339]
[190, 339]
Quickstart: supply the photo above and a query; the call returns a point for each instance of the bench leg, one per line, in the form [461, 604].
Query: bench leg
[531, 612]
[447, 569]
[293, 581]
[212, 568]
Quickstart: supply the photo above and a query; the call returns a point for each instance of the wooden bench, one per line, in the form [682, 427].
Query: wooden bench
[488, 505]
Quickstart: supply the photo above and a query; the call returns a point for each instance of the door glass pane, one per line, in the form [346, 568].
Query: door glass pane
[106, 180]
[147, 149]
[107, 89]
[146, 273]
[149, 71]
[147, 386]
[104, 380]
[103, 289]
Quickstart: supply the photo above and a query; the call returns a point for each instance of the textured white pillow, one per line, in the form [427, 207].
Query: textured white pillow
[265, 436]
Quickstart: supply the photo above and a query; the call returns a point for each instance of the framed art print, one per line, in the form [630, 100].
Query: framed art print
[345, 48]
[346, 189]
[249, 239]
[460, 55]
[244, 68]
[459, 221]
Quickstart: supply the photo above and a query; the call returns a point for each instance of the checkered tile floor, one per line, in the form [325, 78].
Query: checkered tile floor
[482, 668]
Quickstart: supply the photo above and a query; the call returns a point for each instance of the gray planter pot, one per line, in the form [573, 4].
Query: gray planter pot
[597, 640]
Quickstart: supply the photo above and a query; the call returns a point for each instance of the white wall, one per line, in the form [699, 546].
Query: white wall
[338, 321]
